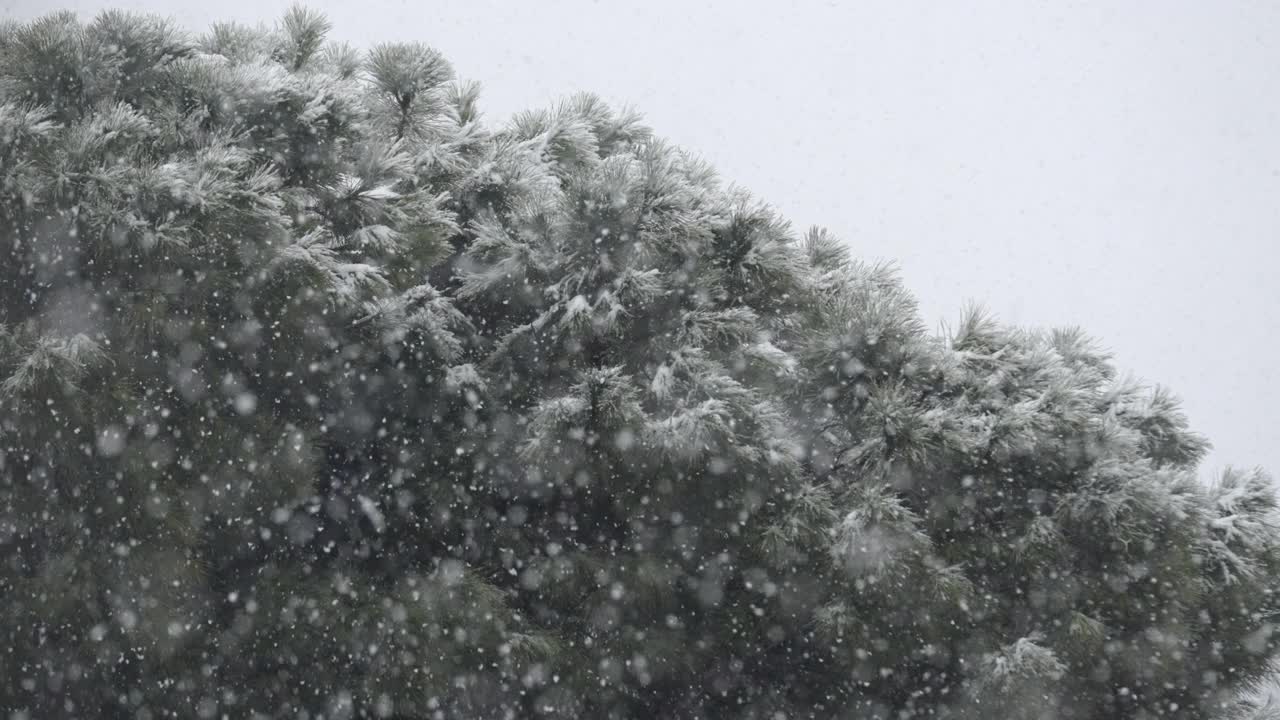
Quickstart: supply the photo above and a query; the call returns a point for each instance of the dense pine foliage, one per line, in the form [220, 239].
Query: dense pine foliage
[321, 397]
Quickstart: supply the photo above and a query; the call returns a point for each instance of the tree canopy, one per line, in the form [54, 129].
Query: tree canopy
[322, 397]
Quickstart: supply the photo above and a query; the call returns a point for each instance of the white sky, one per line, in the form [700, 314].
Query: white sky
[1111, 165]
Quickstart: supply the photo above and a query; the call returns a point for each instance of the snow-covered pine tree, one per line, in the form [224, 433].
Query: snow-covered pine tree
[320, 398]
[630, 305]
[225, 377]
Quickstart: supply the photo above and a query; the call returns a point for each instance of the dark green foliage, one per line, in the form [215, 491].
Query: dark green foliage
[319, 398]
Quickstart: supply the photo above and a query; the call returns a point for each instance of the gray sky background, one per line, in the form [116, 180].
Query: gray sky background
[1109, 165]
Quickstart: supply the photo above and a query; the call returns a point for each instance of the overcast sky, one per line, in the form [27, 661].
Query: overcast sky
[1109, 165]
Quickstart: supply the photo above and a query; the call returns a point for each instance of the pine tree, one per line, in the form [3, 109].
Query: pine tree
[319, 397]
